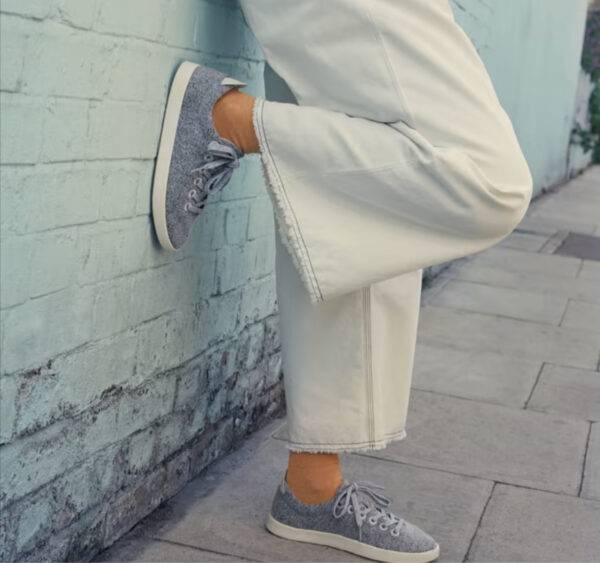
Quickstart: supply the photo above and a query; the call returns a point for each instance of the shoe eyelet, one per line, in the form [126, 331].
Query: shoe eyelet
[372, 521]
[383, 527]
[186, 207]
[350, 509]
[395, 533]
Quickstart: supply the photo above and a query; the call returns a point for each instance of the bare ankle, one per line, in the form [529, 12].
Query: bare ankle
[232, 118]
[313, 478]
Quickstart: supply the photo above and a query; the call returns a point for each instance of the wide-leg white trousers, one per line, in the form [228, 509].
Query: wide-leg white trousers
[395, 155]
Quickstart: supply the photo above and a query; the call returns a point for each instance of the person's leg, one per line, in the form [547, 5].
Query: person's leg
[398, 151]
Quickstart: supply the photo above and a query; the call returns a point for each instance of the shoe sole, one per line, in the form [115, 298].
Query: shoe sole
[165, 152]
[350, 545]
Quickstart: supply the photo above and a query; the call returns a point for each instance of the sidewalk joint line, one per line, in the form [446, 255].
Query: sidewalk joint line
[533, 387]
[584, 462]
[485, 506]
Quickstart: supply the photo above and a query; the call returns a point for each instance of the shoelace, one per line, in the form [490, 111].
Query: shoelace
[221, 158]
[361, 498]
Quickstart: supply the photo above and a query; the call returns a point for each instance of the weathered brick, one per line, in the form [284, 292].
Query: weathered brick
[75, 382]
[113, 307]
[38, 330]
[8, 407]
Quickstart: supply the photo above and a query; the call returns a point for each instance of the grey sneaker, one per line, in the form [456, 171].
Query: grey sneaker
[355, 520]
[193, 160]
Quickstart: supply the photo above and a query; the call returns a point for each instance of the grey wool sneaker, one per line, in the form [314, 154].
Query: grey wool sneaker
[355, 520]
[193, 160]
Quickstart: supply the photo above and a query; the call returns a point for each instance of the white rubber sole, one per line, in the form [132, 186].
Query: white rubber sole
[165, 151]
[350, 545]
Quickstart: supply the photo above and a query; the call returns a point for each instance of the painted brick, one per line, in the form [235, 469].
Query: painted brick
[129, 71]
[32, 8]
[140, 18]
[232, 269]
[49, 197]
[124, 130]
[113, 307]
[75, 12]
[15, 260]
[36, 331]
[66, 63]
[134, 240]
[12, 55]
[65, 131]
[54, 263]
[119, 194]
[261, 220]
[20, 134]
[236, 223]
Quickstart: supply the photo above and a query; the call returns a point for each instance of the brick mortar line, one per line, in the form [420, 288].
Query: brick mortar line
[131, 37]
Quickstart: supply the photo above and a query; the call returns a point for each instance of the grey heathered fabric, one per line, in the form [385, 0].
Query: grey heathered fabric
[287, 509]
[194, 131]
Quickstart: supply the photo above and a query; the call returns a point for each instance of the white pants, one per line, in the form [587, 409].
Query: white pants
[396, 156]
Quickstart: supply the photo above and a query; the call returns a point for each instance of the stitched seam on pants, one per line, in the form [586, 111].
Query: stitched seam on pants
[303, 261]
[388, 62]
[385, 436]
[367, 360]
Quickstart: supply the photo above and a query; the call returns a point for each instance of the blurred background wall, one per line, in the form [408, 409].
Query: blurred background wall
[126, 370]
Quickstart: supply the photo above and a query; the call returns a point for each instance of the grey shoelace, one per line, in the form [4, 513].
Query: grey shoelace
[361, 498]
[220, 160]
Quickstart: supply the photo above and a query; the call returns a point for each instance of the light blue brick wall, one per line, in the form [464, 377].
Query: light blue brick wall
[126, 370]
[123, 367]
[532, 50]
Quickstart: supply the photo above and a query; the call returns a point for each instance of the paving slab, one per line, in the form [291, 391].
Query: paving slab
[235, 495]
[490, 377]
[149, 550]
[548, 225]
[586, 247]
[577, 288]
[567, 391]
[525, 525]
[524, 241]
[591, 477]
[507, 302]
[590, 270]
[512, 260]
[492, 442]
[466, 330]
[582, 315]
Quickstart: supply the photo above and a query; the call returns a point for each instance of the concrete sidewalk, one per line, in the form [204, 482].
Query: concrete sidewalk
[502, 458]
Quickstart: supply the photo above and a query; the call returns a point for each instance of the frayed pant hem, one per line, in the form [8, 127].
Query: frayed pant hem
[347, 448]
[285, 218]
